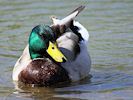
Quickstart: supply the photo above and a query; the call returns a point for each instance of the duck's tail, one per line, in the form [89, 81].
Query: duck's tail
[65, 23]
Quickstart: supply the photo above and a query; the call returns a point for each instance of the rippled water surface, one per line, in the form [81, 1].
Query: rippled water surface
[110, 24]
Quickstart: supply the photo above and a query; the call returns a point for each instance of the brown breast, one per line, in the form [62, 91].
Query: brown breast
[43, 72]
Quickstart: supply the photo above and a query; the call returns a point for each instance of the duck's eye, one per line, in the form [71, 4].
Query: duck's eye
[40, 35]
[53, 48]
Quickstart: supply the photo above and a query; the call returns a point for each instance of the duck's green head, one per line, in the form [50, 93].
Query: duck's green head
[42, 44]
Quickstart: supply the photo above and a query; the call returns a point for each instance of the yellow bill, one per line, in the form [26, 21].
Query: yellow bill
[54, 52]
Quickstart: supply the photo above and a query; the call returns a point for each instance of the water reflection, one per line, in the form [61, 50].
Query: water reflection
[35, 92]
[48, 93]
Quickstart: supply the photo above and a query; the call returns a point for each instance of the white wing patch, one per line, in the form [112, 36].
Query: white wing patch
[83, 31]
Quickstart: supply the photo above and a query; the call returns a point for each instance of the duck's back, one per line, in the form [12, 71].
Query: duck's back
[78, 60]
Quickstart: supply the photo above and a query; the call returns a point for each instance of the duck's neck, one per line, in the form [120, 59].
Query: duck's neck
[36, 55]
[41, 54]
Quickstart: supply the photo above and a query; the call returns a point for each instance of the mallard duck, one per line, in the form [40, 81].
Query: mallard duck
[55, 53]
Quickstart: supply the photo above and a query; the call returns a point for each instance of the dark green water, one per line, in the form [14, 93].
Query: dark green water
[110, 24]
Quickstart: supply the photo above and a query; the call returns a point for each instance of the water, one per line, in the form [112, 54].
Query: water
[110, 24]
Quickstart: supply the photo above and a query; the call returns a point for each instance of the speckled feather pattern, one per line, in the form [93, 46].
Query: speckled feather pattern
[43, 72]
